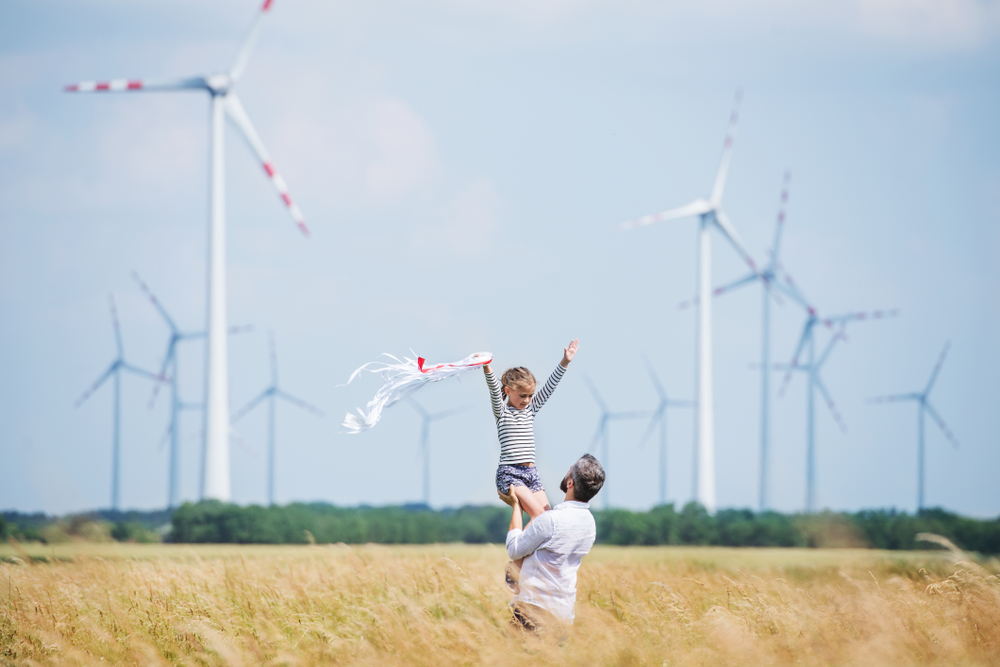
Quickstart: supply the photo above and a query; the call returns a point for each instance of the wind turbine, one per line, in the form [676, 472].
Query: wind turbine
[925, 407]
[601, 435]
[812, 368]
[770, 277]
[170, 365]
[115, 369]
[660, 417]
[221, 90]
[273, 392]
[710, 215]
[425, 451]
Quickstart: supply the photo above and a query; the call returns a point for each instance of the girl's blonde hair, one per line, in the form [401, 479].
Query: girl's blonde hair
[519, 376]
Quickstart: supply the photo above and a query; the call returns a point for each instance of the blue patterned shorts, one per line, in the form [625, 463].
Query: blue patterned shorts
[518, 476]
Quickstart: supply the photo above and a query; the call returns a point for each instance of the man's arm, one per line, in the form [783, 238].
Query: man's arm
[522, 543]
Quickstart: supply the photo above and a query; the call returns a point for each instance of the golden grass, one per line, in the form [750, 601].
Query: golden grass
[446, 605]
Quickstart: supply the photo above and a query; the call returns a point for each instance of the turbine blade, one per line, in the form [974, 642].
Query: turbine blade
[860, 316]
[96, 385]
[736, 284]
[790, 289]
[727, 150]
[156, 302]
[944, 427]
[779, 226]
[302, 404]
[655, 379]
[803, 339]
[117, 327]
[163, 438]
[274, 359]
[601, 425]
[830, 404]
[722, 220]
[144, 373]
[243, 55]
[135, 85]
[892, 398]
[242, 412]
[239, 117]
[652, 424]
[697, 207]
[937, 368]
[597, 396]
[840, 335]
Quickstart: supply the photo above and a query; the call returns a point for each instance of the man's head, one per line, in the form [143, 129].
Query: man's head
[585, 478]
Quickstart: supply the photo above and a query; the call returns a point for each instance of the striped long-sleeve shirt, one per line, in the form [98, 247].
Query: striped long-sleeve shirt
[516, 427]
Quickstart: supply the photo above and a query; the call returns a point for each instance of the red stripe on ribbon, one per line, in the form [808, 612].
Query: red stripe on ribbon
[288, 200]
[269, 169]
[102, 86]
[134, 85]
[267, 5]
[71, 88]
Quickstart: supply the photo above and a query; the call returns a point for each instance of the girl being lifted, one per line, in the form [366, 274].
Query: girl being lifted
[515, 404]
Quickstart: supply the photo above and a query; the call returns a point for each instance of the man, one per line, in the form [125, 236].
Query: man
[552, 547]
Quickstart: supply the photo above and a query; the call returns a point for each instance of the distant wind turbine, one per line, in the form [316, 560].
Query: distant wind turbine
[115, 369]
[774, 280]
[711, 215]
[812, 367]
[601, 435]
[221, 90]
[925, 407]
[273, 392]
[169, 369]
[425, 451]
[660, 418]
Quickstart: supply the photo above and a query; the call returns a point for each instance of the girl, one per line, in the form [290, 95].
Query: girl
[514, 407]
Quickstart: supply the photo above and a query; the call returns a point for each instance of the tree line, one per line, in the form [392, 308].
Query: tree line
[304, 523]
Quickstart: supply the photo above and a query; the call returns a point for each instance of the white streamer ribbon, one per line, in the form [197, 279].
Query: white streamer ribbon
[402, 379]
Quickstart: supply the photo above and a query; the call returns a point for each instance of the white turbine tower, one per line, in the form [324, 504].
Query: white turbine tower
[220, 88]
[711, 215]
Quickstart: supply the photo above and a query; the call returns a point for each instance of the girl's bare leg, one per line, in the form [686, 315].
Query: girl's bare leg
[532, 503]
[540, 497]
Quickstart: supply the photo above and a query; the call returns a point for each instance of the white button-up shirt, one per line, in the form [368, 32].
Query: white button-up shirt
[552, 547]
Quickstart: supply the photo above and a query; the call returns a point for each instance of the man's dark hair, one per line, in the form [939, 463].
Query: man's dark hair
[588, 478]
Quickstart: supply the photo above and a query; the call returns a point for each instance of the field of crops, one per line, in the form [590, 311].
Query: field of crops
[446, 605]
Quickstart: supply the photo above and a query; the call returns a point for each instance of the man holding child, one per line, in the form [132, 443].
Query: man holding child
[552, 546]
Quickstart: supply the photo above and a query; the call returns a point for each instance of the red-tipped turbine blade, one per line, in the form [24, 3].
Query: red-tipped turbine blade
[937, 368]
[135, 85]
[239, 117]
[727, 150]
[243, 55]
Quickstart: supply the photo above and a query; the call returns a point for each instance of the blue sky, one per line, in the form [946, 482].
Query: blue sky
[461, 166]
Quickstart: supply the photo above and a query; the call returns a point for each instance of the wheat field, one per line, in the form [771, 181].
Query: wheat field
[445, 605]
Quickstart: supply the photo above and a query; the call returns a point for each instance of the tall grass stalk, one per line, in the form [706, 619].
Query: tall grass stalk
[446, 605]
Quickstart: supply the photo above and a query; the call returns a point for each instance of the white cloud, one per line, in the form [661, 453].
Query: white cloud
[934, 23]
[406, 157]
[469, 224]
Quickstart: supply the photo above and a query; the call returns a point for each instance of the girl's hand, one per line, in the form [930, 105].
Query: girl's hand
[570, 351]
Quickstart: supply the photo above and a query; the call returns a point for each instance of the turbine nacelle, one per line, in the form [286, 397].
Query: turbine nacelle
[219, 84]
